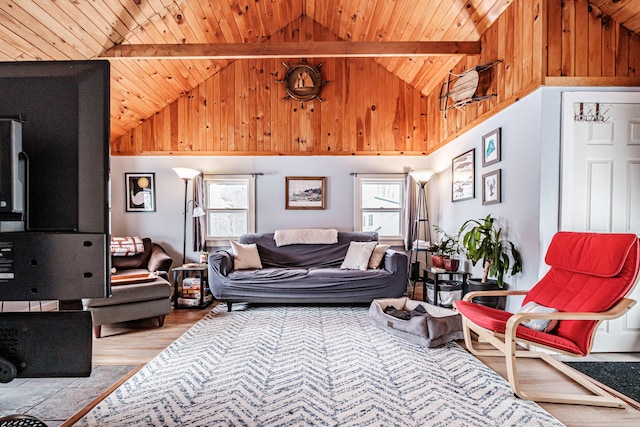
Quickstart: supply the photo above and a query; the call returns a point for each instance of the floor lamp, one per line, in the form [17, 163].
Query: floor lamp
[185, 174]
[421, 238]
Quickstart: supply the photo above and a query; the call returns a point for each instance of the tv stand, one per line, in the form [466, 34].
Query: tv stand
[31, 342]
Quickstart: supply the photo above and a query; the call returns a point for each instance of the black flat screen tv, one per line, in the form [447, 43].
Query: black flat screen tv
[54, 180]
[54, 211]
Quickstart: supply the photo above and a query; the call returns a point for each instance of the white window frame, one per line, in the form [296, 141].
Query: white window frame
[220, 241]
[358, 181]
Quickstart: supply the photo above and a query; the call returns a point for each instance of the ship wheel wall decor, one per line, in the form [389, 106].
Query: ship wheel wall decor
[302, 82]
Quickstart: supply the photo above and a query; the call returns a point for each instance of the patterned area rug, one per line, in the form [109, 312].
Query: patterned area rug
[310, 366]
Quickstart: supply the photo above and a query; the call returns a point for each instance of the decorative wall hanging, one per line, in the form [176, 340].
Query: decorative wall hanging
[491, 191]
[491, 148]
[140, 192]
[305, 192]
[463, 180]
[302, 82]
[466, 87]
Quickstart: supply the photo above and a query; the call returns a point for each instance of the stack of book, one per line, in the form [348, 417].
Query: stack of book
[190, 294]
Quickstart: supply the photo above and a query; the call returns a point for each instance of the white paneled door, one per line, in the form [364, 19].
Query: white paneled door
[600, 184]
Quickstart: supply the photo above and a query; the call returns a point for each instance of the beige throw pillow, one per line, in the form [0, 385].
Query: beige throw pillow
[245, 256]
[377, 255]
[358, 255]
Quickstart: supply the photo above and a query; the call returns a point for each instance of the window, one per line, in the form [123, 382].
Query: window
[379, 206]
[230, 207]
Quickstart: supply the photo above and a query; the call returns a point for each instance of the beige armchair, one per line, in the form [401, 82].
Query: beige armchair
[140, 289]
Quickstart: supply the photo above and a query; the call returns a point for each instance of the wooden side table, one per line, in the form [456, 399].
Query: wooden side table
[191, 271]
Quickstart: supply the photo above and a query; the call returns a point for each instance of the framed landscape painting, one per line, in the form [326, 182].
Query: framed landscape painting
[305, 192]
[463, 181]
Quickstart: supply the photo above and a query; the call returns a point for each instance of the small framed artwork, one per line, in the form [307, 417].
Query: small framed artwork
[305, 192]
[491, 187]
[140, 192]
[463, 181]
[491, 147]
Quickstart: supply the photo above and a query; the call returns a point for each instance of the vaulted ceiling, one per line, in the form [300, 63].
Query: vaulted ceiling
[142, 82]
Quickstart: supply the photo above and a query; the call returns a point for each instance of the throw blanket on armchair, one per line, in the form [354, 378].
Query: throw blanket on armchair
[305, 236]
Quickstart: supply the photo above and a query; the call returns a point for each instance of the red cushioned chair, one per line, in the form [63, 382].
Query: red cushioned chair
[591, 274]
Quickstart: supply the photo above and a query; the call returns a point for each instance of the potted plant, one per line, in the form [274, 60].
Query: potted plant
[445, 251]
[482, 241]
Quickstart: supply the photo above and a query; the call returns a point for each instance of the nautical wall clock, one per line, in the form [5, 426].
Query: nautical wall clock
[302, 81]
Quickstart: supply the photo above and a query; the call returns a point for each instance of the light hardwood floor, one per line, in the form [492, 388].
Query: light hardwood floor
[136, 343]
[143, 341]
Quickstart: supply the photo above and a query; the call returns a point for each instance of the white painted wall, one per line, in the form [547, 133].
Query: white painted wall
[519, 213]
[529, 212]
[165, 226]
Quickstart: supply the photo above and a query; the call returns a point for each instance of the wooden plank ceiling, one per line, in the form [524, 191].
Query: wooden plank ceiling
[89, 29]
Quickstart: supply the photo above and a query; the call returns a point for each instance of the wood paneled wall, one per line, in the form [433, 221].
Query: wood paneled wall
[241, 111]
[516, 39]
[583, 42]
[366, 110]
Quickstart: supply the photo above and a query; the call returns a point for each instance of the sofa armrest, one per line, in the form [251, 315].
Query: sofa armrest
[159, 259]
[395, 262]
[221, 263]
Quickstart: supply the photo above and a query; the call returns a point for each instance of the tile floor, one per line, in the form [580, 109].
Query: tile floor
[54, 400]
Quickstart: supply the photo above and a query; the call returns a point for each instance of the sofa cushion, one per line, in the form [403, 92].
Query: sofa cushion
[268, 276]
[305, 256]
[377, 255]
[158, 289]
[245, 256]
[336, 275]
[358, 255]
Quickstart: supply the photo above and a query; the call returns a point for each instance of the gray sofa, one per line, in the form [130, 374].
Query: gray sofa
[306, 273]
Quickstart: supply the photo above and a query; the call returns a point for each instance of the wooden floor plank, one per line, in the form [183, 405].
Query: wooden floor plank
[137, 343]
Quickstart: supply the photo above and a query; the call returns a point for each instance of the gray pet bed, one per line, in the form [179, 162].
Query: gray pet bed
[438, 326]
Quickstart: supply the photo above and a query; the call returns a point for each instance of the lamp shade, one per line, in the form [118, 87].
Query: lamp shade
[422, 176]
[197, 212]
[186, 173]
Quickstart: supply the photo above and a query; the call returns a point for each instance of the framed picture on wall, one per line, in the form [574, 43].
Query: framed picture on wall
[491, 191]
[491, 148]
[140, 192]
[463, 180]
[305, 192]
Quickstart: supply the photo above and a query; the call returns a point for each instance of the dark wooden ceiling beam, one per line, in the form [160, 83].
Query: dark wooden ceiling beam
[329, 49]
